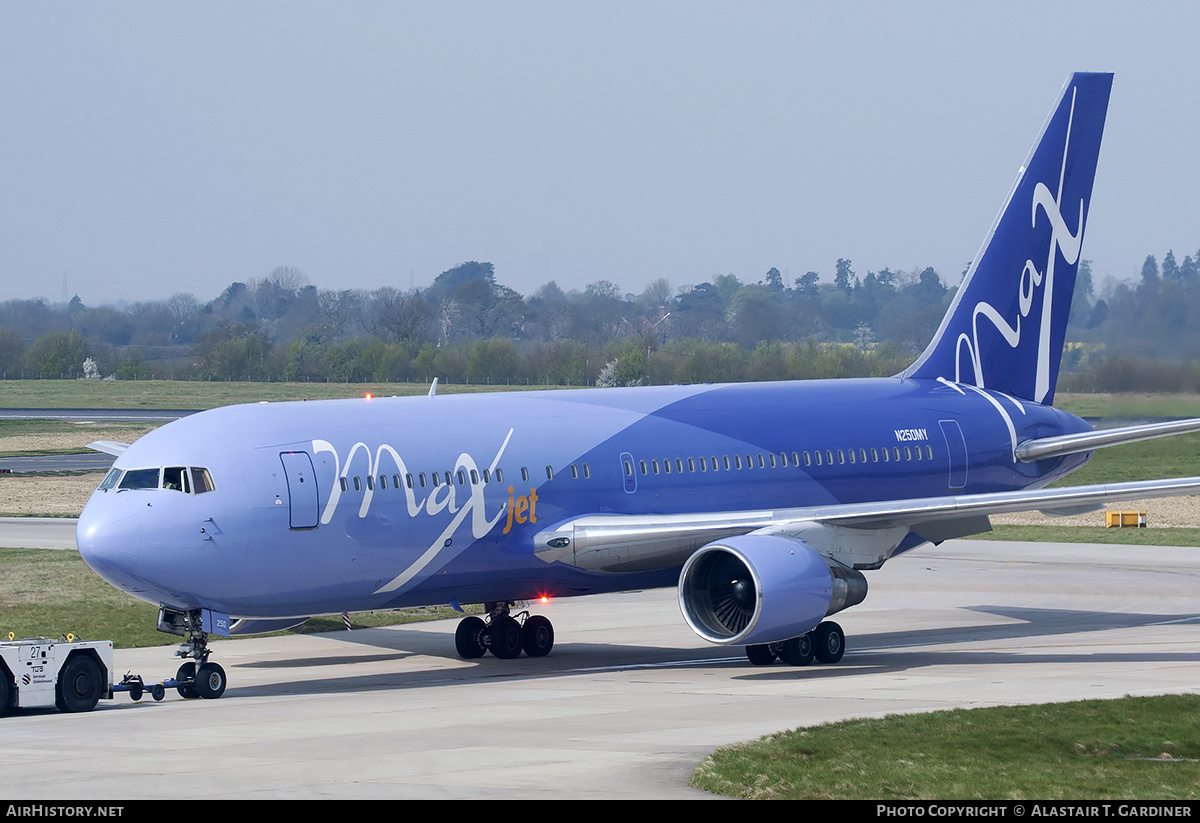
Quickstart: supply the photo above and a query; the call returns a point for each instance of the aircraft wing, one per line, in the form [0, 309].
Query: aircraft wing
[864, 533]
[113, 447]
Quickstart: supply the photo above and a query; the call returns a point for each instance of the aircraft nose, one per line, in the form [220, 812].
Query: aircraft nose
[109, 541]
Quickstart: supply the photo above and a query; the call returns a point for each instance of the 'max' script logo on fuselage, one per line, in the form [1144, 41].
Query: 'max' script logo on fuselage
[443, 497]
[1061, 239]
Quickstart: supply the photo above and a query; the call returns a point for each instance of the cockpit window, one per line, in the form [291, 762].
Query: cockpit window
[176, 478]
[202, 480]
[140, 479]
[194, 480]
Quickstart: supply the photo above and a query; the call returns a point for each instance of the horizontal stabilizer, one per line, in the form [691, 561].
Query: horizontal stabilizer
[1042, 448]
[113, 447]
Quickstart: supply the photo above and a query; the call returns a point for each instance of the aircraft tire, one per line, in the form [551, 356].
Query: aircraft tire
[830, 643]
[537, 636]
[468, 638]
[187, 672]
[505, 638]
[78, 688]
[760, 654]
[797, 651]
[210, 681]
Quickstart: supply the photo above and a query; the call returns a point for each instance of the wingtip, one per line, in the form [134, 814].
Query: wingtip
[113, 447]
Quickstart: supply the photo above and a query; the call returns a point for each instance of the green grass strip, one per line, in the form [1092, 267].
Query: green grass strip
[1133, 748]
[45, 593]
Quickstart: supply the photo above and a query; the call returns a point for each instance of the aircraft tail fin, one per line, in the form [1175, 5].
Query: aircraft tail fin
[1006, 326]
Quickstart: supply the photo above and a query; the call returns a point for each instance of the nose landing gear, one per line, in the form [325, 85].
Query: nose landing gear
[197, 677]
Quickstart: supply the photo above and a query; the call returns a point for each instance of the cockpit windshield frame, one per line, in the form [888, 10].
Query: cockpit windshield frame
[186, 479]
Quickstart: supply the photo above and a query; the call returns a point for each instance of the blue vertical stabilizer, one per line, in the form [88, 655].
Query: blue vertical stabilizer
[1006, 328]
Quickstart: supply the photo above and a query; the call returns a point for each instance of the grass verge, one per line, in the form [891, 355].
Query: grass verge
[1133, 748]
[1131, 406]
[207, 395]
[1150, 459]
[197, 394]
[46, 593]
[200, 394]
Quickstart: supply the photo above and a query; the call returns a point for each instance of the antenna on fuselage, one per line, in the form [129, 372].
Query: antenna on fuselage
[433, 388]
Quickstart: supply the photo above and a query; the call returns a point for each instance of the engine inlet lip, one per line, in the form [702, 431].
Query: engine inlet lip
[705, 623]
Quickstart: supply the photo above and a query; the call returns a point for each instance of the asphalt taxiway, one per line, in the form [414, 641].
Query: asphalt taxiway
[97, 415]
[629, 700]
[86, 461]
[38, 532]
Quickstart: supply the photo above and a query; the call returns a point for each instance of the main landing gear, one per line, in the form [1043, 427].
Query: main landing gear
[197, 677]
[826, 643]
[504, 635]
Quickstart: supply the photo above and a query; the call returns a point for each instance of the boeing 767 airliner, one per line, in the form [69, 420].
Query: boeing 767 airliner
[764, 503]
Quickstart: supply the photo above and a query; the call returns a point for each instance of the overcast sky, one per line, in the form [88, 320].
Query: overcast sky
[152, 148]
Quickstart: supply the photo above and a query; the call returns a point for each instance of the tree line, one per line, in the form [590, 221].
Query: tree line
[467, 327]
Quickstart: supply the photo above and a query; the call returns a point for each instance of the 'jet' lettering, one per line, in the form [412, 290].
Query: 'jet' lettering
[522, 509]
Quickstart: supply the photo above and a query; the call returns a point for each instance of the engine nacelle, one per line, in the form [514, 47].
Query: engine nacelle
[763, 588]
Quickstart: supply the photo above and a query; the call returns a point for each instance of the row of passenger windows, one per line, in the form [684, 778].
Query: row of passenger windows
[186, 479]
[782, 459]
[461, 477]
[735, 462]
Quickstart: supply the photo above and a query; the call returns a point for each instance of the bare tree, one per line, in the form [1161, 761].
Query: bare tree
[182, 306]
[342, 310]
[399, 317]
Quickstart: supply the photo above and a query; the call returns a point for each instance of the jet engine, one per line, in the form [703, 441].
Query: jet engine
[763, 588]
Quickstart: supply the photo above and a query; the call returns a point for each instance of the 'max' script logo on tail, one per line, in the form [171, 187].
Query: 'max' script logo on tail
[1061, 239]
